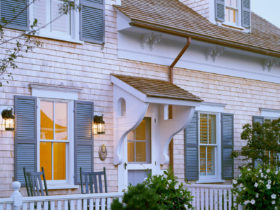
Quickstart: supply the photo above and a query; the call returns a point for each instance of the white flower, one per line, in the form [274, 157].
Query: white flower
[256, 184]
[261, 174]
[273, 202]
[234, 181]
[268, 186]
[276, 172]
[260, 170]
[246, 202]
[248, 169]
[273, 196]
[268, 170]
[269, 181]
[257, 195]
[253, 201]
[169, 181]
[241, 185]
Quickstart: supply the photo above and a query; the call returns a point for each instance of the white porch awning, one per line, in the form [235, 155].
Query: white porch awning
[132, 96]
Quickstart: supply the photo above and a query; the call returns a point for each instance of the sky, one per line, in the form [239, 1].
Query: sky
[268, 9]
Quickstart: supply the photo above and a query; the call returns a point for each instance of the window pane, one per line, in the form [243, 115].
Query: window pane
[40, 12]
[61, 24]
[59, 161]
[46, 159]
[130, 152]
[203, 129]
[210, 160]
[46, 115]
[212, 129]
[140, 151]
[61, 121]
[141, 131]
[202, 160]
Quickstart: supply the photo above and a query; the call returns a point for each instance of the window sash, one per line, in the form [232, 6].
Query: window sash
[67, 141]
[208, 145]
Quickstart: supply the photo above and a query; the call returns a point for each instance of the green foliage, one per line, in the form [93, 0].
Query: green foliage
[156, 192]
[262, 142]
[258, 188]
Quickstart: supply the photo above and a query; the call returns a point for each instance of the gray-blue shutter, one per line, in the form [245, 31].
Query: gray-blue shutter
[92, 21]
[260, 120]
[191, 149]
[16, 12]
[25, 147]
[220, 10]
[83, 150]
[245, 13]
[227, 145]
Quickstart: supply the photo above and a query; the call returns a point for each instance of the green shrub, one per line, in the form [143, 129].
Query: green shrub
[156, 192]
[258, 188]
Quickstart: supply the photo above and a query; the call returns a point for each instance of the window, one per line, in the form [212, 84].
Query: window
[233, 13]
[208, 145]
[51, 20]
[85, 23]
[139, 143]
[55, 138]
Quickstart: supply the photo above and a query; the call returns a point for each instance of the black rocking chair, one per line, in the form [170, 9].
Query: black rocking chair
[93, 180]
[33, 183]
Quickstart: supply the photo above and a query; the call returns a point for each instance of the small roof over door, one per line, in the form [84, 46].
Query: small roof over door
[152, 90]
[131, 98]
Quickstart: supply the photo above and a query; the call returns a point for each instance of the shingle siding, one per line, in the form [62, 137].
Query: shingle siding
[200, 6]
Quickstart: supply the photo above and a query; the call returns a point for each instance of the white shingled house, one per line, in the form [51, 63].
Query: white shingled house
[170, 83]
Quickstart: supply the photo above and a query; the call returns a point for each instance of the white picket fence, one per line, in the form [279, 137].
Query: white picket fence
[211, 196]
[205, 196]
[100, 201]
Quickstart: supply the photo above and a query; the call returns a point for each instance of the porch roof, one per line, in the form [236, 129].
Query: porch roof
[158, 88]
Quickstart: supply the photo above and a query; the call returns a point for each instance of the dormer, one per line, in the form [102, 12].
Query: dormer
[233, 14]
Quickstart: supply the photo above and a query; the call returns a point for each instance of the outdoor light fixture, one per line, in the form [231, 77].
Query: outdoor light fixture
[8, 120]
[98, 125]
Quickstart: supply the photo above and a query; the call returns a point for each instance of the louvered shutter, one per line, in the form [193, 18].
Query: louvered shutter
[83, 150]
[227, 145]
[15, 12]
[191, 149]
[25, 135]
[92, 21]
[245, 13]
[257, 119]
[220, 10]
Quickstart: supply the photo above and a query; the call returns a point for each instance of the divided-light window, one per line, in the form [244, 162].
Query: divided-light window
[231, 11]
[207, 144]
[54, 138]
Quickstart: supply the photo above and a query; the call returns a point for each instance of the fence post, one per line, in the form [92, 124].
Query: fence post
[16, 196]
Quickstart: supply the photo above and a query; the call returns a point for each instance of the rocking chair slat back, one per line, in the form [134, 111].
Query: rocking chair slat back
[92, 182]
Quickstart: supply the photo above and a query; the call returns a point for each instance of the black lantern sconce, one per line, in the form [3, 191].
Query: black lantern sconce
[8, 120]
[98, 125]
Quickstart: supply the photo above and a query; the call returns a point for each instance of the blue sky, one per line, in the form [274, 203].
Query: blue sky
[268, 9]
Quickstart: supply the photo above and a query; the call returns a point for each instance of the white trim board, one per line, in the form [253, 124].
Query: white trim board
[273, 113]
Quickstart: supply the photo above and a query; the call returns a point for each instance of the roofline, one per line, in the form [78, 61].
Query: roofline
[204, 38]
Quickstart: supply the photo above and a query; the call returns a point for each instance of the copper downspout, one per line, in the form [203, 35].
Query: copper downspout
[170, 113]
[178, 58]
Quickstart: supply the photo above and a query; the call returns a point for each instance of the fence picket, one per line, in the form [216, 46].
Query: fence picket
[97, 200]
[216, 199]
[31, 205]
[24, 206]
[85, 204]
[9, 206]
[39, 205]
[225, 199]
[229, 199]
[109, 201]
[52, 205]
[207, 198]
[202, 199]
[220, 199]
[211, 198]
[46, 205]
[103, 202]
[79, 204]
[59, 205]
[197, 198]
[72, 205]
[91, 204]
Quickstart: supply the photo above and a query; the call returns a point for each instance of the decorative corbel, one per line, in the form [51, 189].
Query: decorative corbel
[150, 40]
[214, 52]
[269, 63]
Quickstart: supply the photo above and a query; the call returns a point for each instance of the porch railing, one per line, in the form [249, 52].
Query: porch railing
[60, 202]
[211, 196]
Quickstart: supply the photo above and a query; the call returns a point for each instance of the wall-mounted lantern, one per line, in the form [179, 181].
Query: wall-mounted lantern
[98, 125]
[8, 120]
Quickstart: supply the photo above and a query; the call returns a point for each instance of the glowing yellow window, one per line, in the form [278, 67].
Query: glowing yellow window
[231, 11]
[54, 138]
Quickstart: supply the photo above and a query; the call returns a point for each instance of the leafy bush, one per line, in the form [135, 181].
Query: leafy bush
[262, 142]
[156, 192]
[258, 188]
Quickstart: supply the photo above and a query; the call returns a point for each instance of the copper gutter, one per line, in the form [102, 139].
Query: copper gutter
[178, 58]
[204, 38]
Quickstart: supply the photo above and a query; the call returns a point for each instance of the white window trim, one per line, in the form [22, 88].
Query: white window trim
[45, 33]
[43, 92]
[270, 113]
[217, 109]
